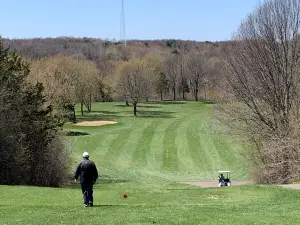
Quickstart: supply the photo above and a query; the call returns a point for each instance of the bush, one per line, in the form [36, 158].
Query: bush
[31, 151]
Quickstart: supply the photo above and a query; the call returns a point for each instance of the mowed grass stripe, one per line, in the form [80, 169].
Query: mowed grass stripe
[125, 158]
[105, 137]
[196, 144]
[198, 156]
[155, 157]
[226, 154]
[116, 146]
[206, 141]
[230, 153]
[185, 157]
[143, 147]
[211, 152]
[170, 156]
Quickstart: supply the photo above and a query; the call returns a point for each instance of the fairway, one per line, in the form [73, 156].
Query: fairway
[171, 141]
[147, 157]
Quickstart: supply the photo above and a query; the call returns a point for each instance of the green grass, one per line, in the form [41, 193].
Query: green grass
[145, 157]
[172, 141]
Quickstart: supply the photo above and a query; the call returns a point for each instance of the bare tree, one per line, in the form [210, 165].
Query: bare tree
[156, 77]
[57, 74]
[172, 71]
[196, 70]
[133, 82]
[262, 77]
[161, 84]
[67, 81]
[86, 78]
[183, 85]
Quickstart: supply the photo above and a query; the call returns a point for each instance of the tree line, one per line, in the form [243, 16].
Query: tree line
[69, 80]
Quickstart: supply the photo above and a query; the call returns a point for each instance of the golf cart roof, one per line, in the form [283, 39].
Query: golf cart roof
[224, 171]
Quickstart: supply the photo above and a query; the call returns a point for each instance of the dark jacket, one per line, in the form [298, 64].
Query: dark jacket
[87, 171]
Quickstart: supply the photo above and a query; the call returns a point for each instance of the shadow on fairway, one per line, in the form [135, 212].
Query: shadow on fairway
[166, 102]
[76, 133]
[209, 102]
[117, 205]
[112, 115]
[140, 106]
[104, 112]
[102, 117]
[149, 106]
[155, 114]
[106, 205]
[124, 106]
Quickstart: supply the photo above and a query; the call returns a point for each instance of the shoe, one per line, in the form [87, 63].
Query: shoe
[91, 204]
[86, 205]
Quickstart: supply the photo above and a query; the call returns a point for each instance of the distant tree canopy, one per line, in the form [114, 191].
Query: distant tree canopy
[102, 57]
[31, 151]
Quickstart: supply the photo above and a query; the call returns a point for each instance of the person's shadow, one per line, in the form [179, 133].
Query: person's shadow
[109, 205]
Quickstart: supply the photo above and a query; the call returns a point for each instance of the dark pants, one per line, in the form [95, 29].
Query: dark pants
[87, 191]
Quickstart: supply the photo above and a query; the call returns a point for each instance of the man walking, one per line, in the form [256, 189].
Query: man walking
[88, 175]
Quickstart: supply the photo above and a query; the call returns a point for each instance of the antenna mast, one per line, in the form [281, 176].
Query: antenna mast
[123, 26]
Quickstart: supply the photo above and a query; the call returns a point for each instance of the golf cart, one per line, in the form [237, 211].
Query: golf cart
[224, 181]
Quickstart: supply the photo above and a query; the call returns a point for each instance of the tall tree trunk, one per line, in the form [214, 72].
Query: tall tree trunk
[183, 94]
[81, 108]
[74, 115]
[90, 110]
[134, 109]
[204, 92]
[196, 95]
[161, 96]
[174, 94]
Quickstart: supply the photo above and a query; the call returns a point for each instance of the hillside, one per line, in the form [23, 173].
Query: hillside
[95, 49]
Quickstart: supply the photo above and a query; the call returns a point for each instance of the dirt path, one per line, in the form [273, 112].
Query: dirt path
[292, 186]
[213, 183]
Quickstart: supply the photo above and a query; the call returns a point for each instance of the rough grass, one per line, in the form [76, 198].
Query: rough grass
[144, 157]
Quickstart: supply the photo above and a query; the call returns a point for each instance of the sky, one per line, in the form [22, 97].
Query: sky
[200, 20]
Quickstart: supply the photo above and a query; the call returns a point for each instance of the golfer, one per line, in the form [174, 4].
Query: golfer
[88, 175]
[221, 178]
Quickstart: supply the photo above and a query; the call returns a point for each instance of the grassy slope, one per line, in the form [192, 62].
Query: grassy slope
[171, 141]
[143, 157]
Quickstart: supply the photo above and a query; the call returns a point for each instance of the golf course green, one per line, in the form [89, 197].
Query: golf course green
[147, 157]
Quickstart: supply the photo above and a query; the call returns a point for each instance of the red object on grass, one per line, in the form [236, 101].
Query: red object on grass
[125, 196]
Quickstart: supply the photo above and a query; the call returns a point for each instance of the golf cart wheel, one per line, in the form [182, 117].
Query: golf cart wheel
[228, 184]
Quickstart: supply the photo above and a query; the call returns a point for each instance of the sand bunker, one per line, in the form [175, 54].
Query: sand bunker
[95, 123]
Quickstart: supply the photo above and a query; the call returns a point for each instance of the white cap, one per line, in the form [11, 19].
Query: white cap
[85, 155]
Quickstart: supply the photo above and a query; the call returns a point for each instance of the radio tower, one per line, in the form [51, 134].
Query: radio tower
[122, 25]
